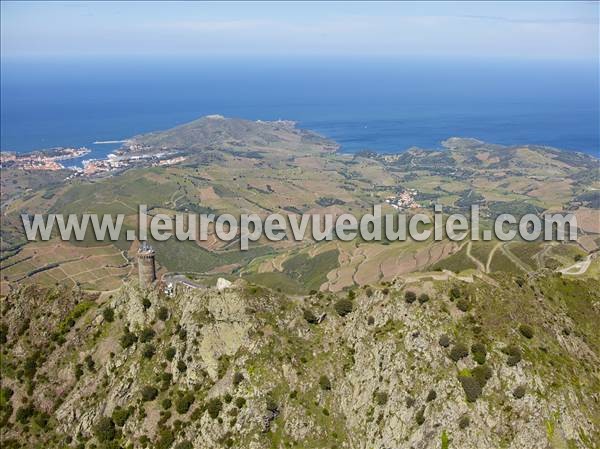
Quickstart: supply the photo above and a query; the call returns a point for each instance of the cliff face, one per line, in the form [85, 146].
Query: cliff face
[500, 362]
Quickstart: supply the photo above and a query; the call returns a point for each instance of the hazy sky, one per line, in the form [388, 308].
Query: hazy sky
[549, 30]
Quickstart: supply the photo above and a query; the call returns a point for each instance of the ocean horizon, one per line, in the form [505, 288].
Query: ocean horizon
[372, 104]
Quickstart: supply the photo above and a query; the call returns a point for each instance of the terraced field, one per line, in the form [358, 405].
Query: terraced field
[93, 268]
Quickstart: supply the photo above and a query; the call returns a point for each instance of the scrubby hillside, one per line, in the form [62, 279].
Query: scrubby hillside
[220, 132]
[502, 362]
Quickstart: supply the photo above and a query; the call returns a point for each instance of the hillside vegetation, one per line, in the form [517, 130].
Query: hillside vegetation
[501, 362]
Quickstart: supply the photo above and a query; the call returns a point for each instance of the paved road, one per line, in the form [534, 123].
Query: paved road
[181, 280]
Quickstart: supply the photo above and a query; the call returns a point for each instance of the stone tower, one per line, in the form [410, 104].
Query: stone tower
[146, 268]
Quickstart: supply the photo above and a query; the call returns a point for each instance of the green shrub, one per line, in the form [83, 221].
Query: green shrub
[149, 351]
[104, 430]
[240, 402]
[197, 413]
[147, 334]
[444, 341]
[182, 334]
[470, 386]
[41, 419]
[431, 396]
[309, 316]
[482, 374]
[464, 422]
[181, 366]
[410, 296]
[165, 439]
[222, 366]
[166, 403]
[370, 321]
[514, 355]
[420, 416]
[166, 379]
[184, 445]
[479, 353]
[24, 413]
[89, 362]
[127, 339]
[423, 298]
[184, 402]
[170, 353]
[519, 392]
[344, 306]
[324, 383]
[3, 333]
[227, 398]
[108, 314]
[120, 415]
[454, 293]
[149, 393]
[162, 313]
[526, 331]
[272, 405]
[458, 351]
[463, 305]
[238, 378]
[146, 303]
[214, 407]
[381, 397]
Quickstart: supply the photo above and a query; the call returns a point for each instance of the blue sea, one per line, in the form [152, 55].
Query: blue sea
[364, 104]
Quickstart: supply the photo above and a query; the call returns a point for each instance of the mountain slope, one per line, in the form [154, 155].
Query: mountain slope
[501, 362]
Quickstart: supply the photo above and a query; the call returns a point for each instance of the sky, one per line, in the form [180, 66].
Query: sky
[541, 30]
